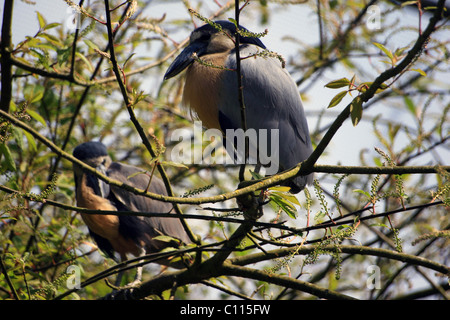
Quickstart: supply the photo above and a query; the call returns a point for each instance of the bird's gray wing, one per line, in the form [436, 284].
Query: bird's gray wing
[272, 101]
[131, 175]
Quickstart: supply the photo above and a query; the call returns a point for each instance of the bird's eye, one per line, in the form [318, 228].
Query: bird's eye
[204, 38]
[200, 37]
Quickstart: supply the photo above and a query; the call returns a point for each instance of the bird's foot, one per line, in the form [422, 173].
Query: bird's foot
[251, 205]
[132, 285]
[123, 293]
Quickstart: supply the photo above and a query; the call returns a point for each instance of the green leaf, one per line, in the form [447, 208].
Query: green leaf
[233, 21]
[10, 164]
[366, 85]
[256, 175]
[344, 226]
[335, 84]
[18, 137]
[63, 55]
[386, 51]
[52, 25]
[36, 116]
[86, 61]
[166, 239]
[42, 21]
[51, 39]
[288, 197]
[32, 42]
[378, 225]
[280, 188]
[37, 98]
[408, 3]
[378, 162]
[319, 216]
[352, 80]
[31, 141]
[410, 105]
[337, 99]
[362, 192]
[174, 164]
[135, 174]
[423, 73]
[284, 205]
[356, 110]
[398, 52]
[45, 46]
[382, 87]
[90, 44]
[128, 59]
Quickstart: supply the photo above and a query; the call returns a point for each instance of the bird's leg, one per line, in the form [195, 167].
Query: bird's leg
[138, 277]
[120, 274]
[251, 204]
[118, 279]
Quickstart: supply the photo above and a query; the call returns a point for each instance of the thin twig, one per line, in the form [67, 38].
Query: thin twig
[240, 88]
[8, 279]
[416, 50]
[129, 106]
[349, 249]
[5, 50]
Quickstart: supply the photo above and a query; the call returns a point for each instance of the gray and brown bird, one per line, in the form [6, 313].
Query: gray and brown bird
[123, 234]
[272, 100]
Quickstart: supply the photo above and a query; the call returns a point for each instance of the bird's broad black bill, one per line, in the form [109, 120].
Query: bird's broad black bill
[184, 59]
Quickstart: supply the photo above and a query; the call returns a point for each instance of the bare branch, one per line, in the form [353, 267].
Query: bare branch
[5, 50]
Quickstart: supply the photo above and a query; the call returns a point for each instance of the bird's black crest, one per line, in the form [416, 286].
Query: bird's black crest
[89, 150]
[230, 28]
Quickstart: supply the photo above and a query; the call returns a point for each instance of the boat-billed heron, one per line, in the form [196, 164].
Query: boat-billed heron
[271, 98]
[123, 234]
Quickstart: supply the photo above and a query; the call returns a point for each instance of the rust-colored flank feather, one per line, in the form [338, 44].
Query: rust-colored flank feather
[106, 226]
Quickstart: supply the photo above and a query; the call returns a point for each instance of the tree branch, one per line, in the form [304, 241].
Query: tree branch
[339, 42]
[136, 123]
[379, 170]
[5, 50]
[237, 12]
[198, 274]
[349, 249]
[412, 55]
[284, 281]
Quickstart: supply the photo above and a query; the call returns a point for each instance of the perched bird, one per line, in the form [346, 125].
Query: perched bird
[122, 234]
[271, 98]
